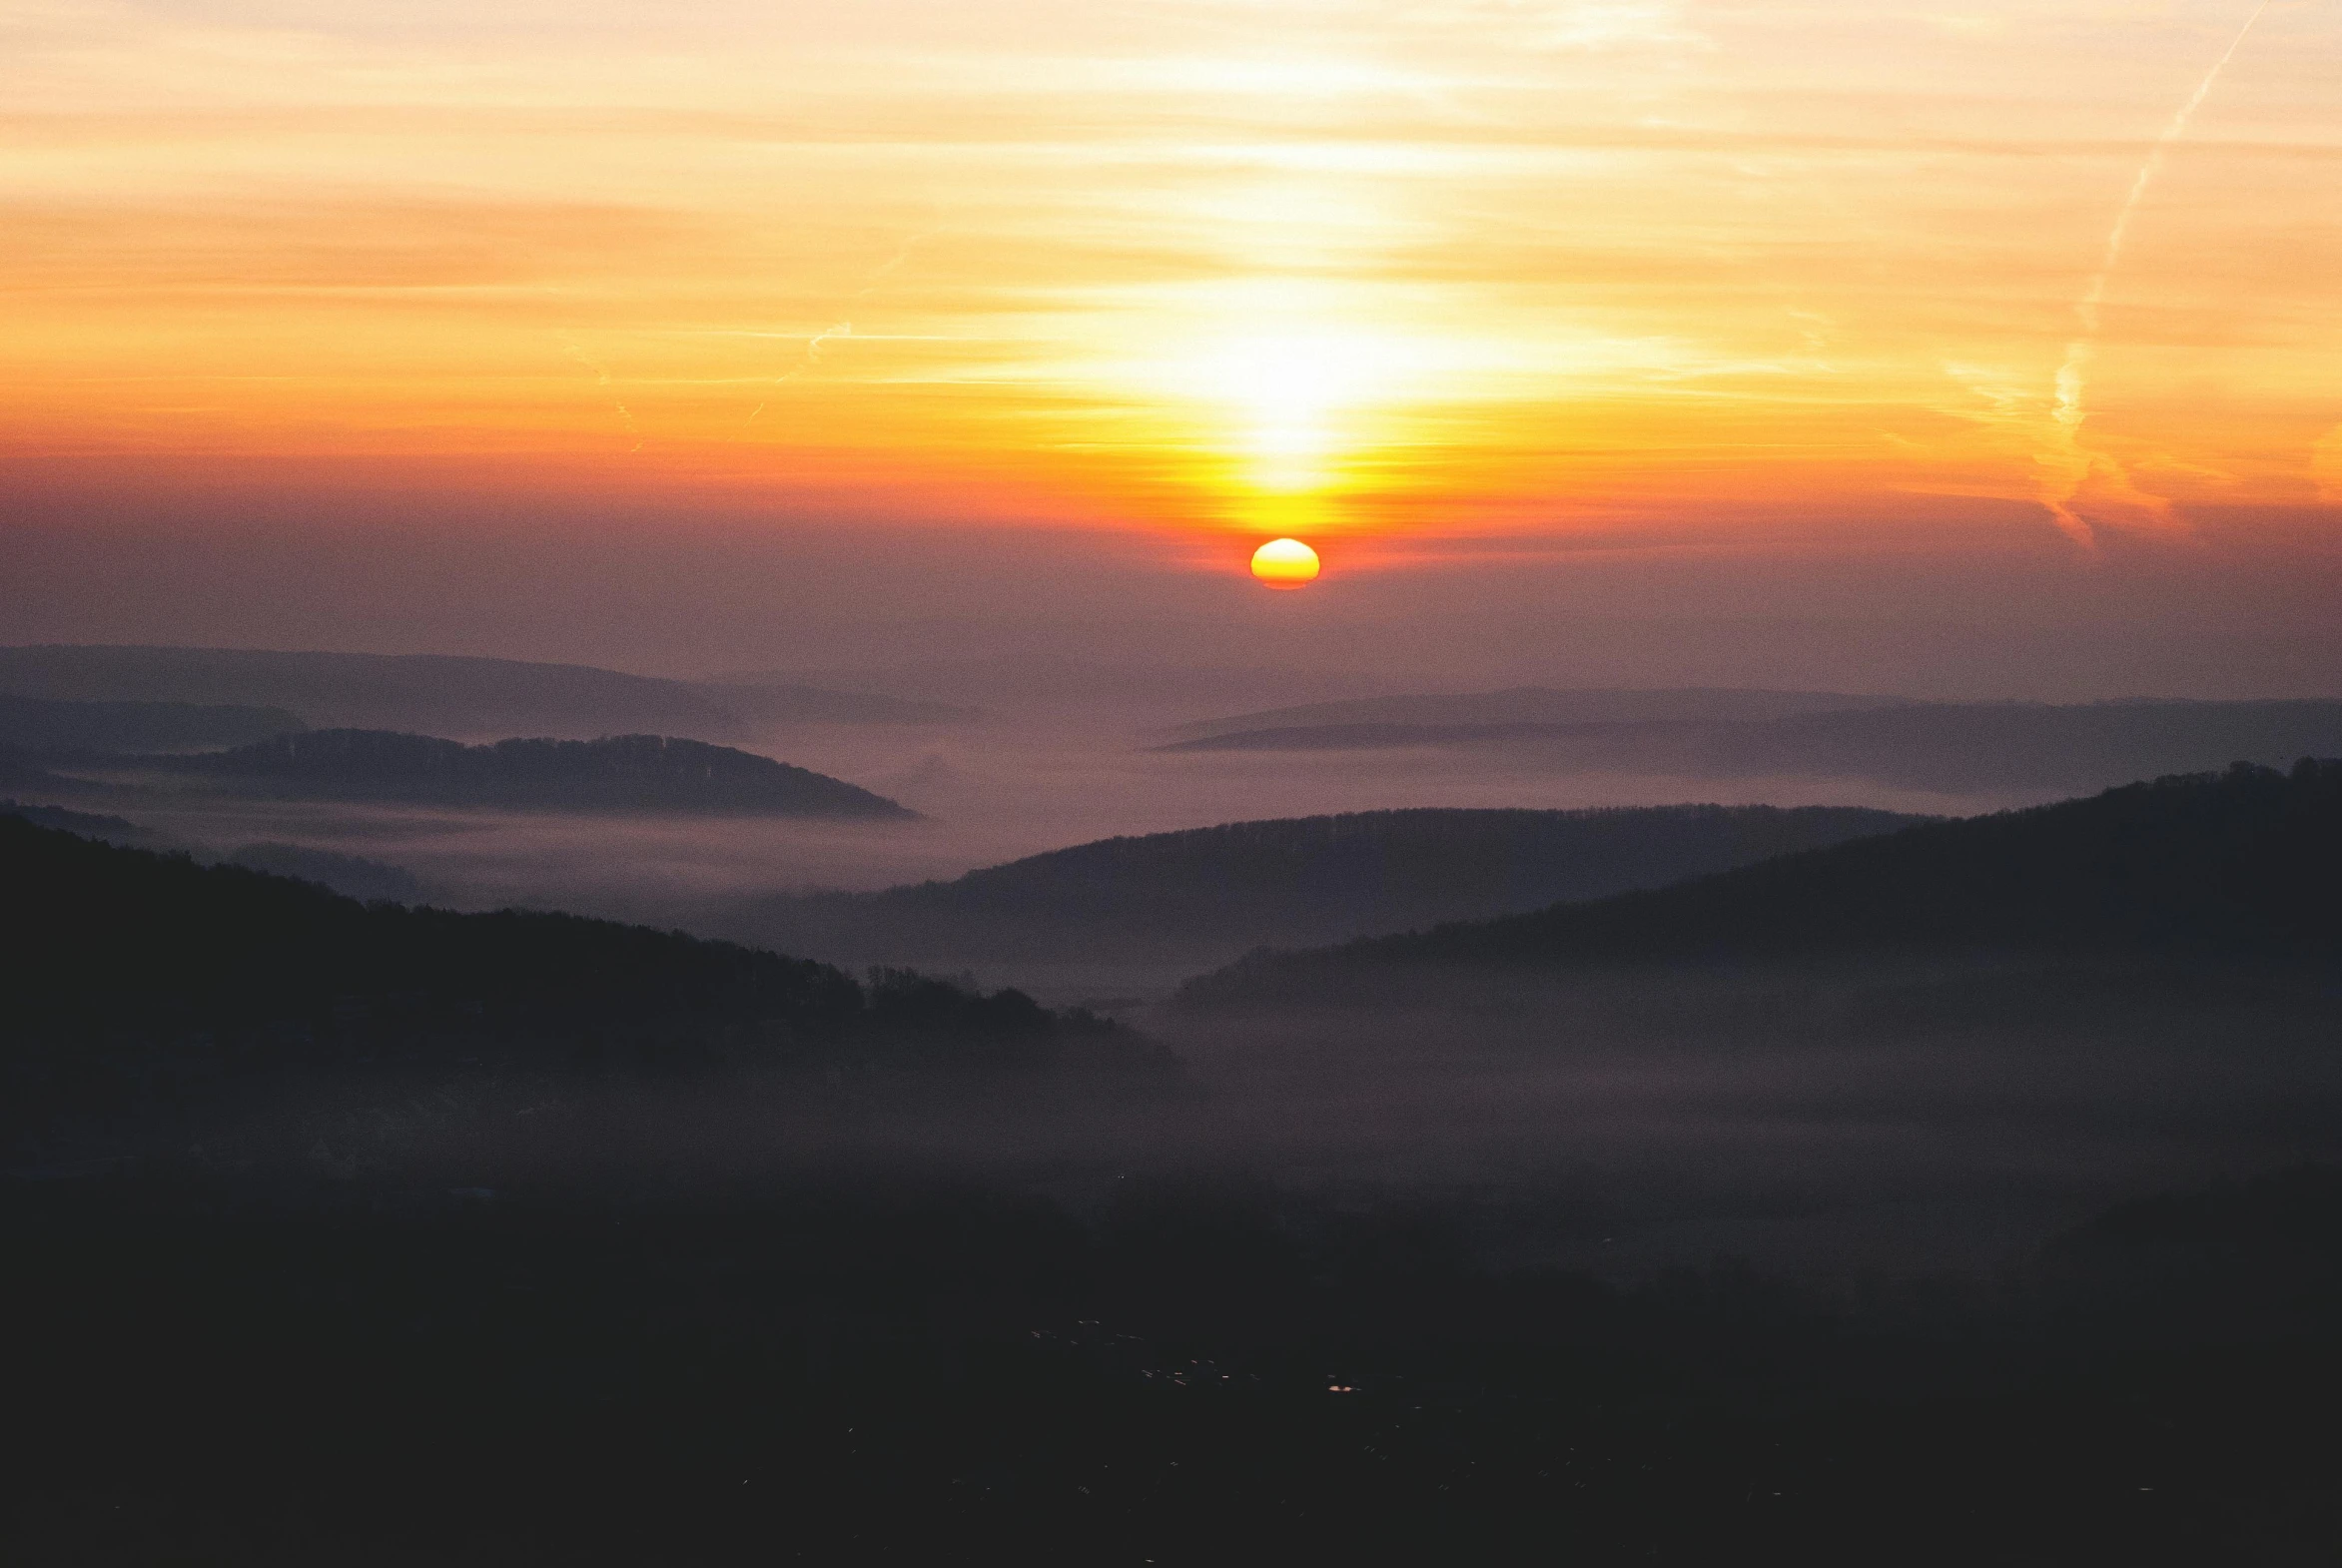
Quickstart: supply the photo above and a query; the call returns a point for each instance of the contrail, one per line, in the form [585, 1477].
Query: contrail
[578, 352]
[813, 350]
[844, 329]
[2073, 377]
[812, 358]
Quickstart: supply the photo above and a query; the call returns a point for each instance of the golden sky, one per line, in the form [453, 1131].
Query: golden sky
[1370, 267]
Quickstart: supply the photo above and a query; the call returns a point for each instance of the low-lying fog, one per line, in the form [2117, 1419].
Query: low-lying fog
[1549, 1138]
[1622, 1153]
[1551, 1130]
[990, 792]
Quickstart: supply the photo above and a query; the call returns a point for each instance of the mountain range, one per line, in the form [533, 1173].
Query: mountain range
[1206, 894]
[1953, 747]
[145, 974]
[438, 693]
[2240, 863]
[40, 724]
[616, 773]
[1542, 705]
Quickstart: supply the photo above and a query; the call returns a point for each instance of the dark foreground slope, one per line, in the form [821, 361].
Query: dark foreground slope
[616, 773]
[138, 979]
[890, 1370]
[2242, 864]
[580, 1285]
[1209, 893]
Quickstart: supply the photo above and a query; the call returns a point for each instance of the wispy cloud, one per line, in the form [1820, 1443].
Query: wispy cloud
[1544, 257]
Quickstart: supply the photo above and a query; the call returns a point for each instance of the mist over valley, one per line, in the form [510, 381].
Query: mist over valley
[1016, 1076]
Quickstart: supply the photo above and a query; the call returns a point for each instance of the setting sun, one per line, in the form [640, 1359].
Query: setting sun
[1284, 563]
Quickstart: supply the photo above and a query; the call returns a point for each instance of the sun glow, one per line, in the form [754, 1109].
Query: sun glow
[1308, 271]
[1290, 405]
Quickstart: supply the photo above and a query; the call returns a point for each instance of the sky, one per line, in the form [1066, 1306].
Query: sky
[1982, 348]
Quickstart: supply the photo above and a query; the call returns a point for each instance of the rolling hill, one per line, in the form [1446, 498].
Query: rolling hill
[87, 823]
[618, 773]
[144, 973]
[28, 773]
[1541, 705]
[351, 876]
[1210, 893]
[434, 693]
[40, 724]
[2240, 862]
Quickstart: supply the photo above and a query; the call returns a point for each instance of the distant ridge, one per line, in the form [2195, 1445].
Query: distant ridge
[86, 824]
[433, 693]
[441, 693]
[620, 774]
[1209, 893]
[1933, 746]
[21, 770]
[1543, 706]
[2244, 861]
[47, 724]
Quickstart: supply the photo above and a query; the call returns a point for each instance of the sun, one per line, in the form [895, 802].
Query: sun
[1284, 563]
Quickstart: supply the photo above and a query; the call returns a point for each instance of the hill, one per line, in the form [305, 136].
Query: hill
[23, 771]
[87, 823]
[353, 876]
[2243, 863]
[1542, 705]
[1210, 893]
[1059, 683]
[146, 971]
[1933, 746]
[44, 725]
[434, 694]
[617, 773]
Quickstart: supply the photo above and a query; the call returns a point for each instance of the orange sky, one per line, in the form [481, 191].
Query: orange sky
[1402, 269]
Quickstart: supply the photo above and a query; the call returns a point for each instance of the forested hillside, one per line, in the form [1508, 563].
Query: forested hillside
[2244, 861]
[137, 975]
[1209, 893]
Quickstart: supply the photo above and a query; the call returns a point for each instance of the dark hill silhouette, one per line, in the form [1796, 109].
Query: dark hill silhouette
[23, 772]
[45, 725]
[617, 773]
[2079, 746]
[434, 693]
[145, 970]
[1543, 706]
[1213, 892]
[2243, 862]
[353, 876]
[1933, 746]
[87, 823]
